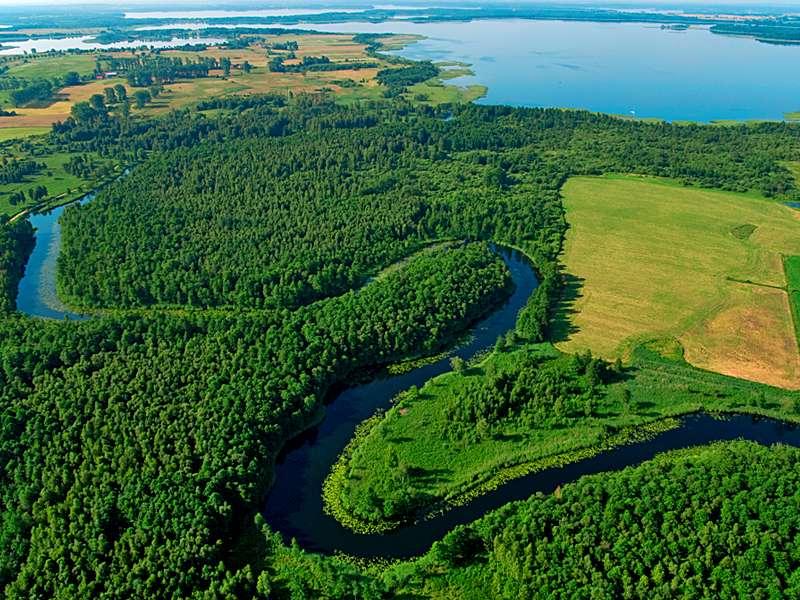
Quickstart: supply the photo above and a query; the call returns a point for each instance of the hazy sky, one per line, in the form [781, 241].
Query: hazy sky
[792, 5]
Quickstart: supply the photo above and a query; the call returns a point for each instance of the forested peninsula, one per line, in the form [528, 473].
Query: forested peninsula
[139, 446]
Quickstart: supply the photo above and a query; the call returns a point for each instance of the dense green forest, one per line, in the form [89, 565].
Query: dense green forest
[258, 222]
[16, 245]
[707, 522]
[137, 446]
[264, 222]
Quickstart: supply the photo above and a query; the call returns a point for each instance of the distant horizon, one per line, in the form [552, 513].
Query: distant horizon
[150, 5]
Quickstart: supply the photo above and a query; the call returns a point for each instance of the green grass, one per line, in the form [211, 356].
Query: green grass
[14, 133]
[794, 168]
[646, 259]
[792, 264]
[462, 65]
[53, 66]
[794, 304]
[726, 122]
[743, 232]
[733, 123]
[661, 384]
[61, 186]
[453, 73]
[723, 122]
[792, 116]
[437, 93]
[399, 41]
[634, 118]
[674, 183]
[358, 94]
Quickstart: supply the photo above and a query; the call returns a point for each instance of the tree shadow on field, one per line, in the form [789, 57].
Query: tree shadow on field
[561, 328]
[427, 477]
[503, 437]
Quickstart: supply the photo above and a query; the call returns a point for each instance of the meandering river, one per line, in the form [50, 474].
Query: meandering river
[298, 512]
[294, 505]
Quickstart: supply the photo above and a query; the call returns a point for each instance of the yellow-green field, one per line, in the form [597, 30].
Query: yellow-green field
[11, 133]
[643, 260]
[337, 48]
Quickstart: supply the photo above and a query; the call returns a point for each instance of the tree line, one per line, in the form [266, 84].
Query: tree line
[14, 171]
[16, 244]
[316, 63]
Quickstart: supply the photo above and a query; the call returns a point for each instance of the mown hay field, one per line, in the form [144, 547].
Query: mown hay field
[643, 260]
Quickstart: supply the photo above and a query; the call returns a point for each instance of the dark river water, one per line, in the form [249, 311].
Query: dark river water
[294, 506]
[319, 532]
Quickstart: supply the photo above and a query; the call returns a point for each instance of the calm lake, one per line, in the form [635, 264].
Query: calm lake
[615, 68]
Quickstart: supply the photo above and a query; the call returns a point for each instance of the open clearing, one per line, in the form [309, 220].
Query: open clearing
[7, 133]
[646, 261]
[336, 47]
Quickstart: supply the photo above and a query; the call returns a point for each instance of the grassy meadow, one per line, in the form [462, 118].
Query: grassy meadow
[791, 265]
[645, 260]
[434, 91]
[794, 167]
[33, 66]
[41, 66]
[337, 48]
[62, 187]
[658, 384]
[13, 133]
